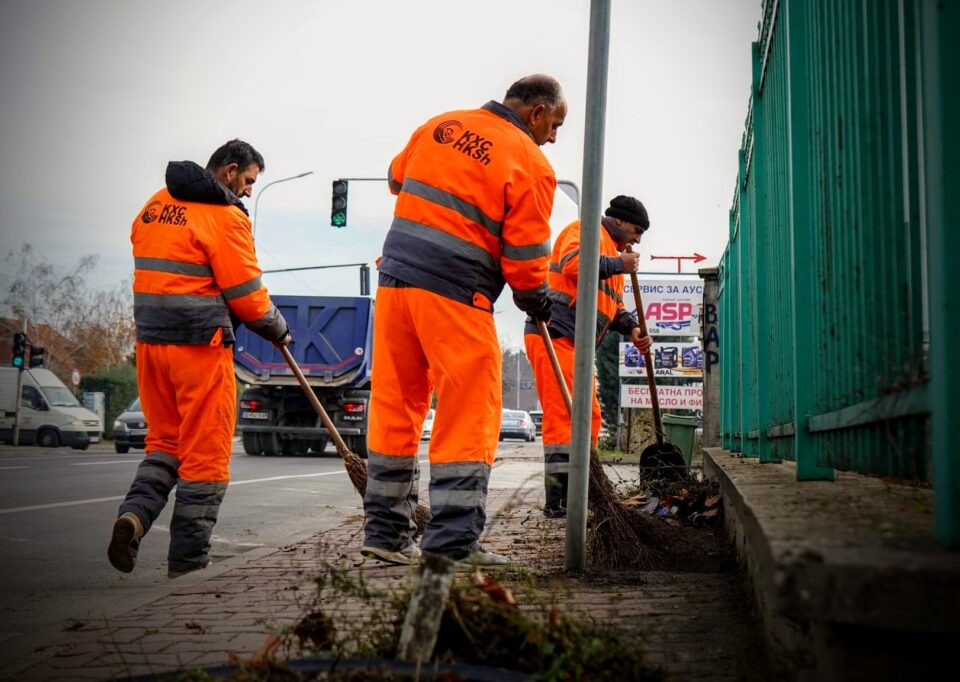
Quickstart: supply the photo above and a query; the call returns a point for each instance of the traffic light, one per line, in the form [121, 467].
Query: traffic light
[338, 204]
[19, 349]
[36, 356]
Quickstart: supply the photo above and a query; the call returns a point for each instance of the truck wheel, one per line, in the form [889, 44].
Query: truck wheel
[272, 446]
[121, 449]
[358, 445]
[251, 444]
[48, 438]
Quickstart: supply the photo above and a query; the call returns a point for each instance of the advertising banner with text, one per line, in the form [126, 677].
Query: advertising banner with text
[669, 360]
[686, 397]
[673, 305]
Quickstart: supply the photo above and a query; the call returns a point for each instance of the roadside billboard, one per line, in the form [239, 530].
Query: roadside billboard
[686, 396]
[683, 360]
[674, 305]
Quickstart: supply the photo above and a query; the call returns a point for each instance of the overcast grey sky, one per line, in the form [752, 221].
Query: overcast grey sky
[97, 95]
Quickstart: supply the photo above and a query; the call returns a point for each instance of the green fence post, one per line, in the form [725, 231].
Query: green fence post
[805, 365]
[941, 143]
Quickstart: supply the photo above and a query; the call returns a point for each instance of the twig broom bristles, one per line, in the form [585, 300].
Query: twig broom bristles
[621, 537]
[355, 466]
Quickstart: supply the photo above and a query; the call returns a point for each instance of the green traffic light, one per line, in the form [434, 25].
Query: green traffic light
[338, 218]
[18, 361]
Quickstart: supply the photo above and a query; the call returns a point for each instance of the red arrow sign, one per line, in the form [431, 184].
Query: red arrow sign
[696, 258]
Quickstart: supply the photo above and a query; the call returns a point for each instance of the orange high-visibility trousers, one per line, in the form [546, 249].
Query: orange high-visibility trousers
[556, 419]
[189, 398]
[425, 342]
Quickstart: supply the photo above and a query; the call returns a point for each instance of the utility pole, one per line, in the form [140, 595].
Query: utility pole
[17, 398]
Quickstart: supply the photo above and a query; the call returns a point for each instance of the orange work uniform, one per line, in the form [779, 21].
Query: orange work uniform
[611, 314]
[195, 268]
[474, 196]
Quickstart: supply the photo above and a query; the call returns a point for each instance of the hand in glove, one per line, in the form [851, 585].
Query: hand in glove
[540, 310]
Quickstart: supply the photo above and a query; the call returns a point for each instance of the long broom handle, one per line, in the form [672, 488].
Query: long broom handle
[647, 358]
[548, 342]
[312, 397]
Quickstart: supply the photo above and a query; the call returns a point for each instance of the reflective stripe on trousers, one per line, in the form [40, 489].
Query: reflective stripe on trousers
[389, 501]
[194, 515]
[556, 425]
[425, 342]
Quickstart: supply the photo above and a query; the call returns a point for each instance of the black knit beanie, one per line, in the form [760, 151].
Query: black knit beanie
[628, 209]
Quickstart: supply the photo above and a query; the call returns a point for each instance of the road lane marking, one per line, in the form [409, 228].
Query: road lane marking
[8, 468]
[97, 500]
[121, 461]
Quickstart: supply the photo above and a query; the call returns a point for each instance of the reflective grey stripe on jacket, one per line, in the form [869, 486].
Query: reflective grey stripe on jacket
[172, 266]
[389, 501]
[458, 501]
[454, 203]
[180, 318]
[194, 515]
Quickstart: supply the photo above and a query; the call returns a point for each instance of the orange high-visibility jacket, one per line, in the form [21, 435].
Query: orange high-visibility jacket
[195, 265]
[473, 207]
[564, 269]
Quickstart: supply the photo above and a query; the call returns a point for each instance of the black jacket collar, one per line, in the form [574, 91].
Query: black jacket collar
[187, 181]
[509, 114]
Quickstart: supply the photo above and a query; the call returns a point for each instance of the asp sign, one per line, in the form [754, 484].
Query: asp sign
[674, 305]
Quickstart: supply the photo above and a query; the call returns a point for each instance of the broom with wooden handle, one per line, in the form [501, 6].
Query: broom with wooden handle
[355, 466]
[621, 537]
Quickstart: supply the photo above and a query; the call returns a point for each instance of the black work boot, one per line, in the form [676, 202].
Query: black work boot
[125, 542]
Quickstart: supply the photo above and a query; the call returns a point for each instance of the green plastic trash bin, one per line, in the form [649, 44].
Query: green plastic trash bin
[680, 431]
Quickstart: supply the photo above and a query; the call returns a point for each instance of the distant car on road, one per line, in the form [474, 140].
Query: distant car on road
[428, 425]
[517, 424]
[537, 417]
[130, 429]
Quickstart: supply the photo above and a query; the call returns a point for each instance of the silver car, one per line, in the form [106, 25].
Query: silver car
[517, 424]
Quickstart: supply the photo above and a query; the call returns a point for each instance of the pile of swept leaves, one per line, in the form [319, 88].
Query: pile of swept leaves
[482, 626]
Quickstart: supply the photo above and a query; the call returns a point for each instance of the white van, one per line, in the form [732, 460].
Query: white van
[50, 415]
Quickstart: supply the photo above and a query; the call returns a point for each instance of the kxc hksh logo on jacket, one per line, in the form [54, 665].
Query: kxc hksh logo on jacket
[150, 213]
[473, 145]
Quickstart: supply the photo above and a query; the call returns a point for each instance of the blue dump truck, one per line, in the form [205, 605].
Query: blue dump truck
[333, 337]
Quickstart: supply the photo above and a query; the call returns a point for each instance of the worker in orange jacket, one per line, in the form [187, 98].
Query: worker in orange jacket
[474, 196]
[195, 269]
[625, 221]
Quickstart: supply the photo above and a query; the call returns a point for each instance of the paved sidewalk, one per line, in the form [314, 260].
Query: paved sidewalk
[699, 625]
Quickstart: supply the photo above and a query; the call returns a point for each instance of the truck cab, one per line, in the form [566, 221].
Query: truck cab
[50, 415]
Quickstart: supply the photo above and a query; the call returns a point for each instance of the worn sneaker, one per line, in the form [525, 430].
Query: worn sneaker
[407, 556]
[555, 512]
[176, 574]
[125, 542]
[481, 557]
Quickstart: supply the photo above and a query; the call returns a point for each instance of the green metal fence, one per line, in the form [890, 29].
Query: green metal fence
[833, 300]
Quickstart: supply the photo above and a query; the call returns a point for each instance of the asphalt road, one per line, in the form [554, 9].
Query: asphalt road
[57, 508]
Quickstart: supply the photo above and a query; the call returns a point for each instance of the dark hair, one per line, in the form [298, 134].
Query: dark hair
[235, 151]
[536, 89]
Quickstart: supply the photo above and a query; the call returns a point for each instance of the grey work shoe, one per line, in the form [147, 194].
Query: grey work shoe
[125, 542]
[407, 556]
[481, 557]
[176, 574]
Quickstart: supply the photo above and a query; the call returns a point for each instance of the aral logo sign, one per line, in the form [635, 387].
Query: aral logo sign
[673, 305]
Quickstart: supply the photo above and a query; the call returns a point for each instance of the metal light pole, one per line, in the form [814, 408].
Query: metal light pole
[256, 202]
[583, 365]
